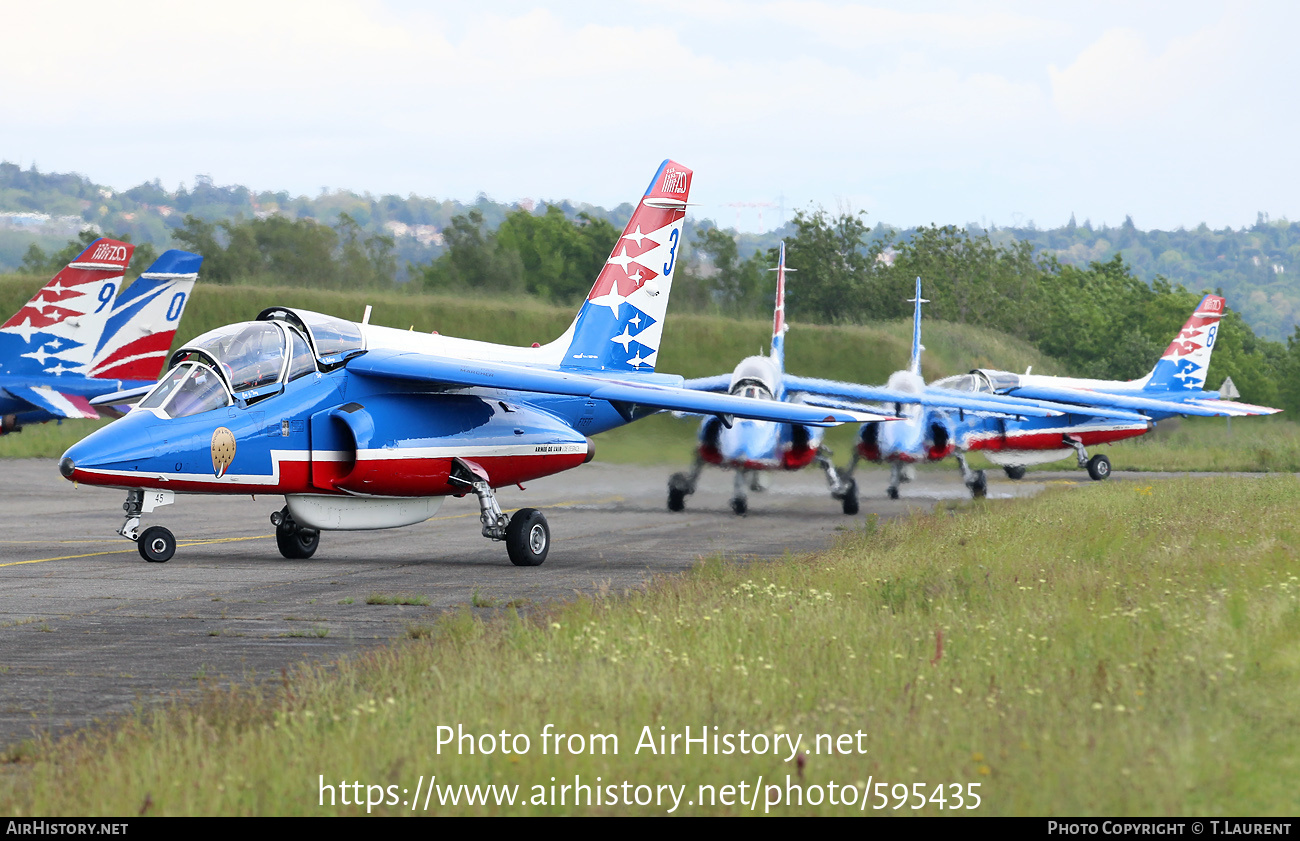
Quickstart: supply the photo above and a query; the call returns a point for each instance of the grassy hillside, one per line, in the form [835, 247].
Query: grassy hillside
[1044, 654]
[694, 346]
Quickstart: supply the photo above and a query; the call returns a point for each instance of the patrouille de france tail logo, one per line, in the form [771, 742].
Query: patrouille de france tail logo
[223, 450]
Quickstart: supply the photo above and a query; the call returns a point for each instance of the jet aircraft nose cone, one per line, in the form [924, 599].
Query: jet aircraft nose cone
[66, 467]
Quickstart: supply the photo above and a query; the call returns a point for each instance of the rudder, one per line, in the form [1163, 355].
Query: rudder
[620, 325]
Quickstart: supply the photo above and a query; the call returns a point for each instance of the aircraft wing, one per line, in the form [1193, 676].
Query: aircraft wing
[934, 397]
[1105, 400]
[442, 371]
[57, 403]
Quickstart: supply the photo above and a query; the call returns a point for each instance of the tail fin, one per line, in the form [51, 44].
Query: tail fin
[917, 347]
[1187, 359]
[145, 318]
[620, 325]
[778, 318]
[57, 330]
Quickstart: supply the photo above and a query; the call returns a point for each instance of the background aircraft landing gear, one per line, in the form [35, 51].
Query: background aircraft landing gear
[294, 541]
[1014, 471]
[528, 538]
[849, 500]
[157, 545]
[979, 485]
[682, 485]
[739, 496]
[1098, 467]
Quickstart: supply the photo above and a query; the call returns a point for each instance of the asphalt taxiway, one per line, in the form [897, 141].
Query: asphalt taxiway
[89, 630]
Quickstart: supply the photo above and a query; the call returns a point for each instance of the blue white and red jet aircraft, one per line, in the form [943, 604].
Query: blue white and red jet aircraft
[77, 339]
[749, 447]
[936, 423]
[1174, 387]
[366, 427]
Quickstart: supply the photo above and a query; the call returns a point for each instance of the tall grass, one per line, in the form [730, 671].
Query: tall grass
[1119, 650]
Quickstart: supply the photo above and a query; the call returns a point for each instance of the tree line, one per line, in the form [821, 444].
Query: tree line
[1100, 320]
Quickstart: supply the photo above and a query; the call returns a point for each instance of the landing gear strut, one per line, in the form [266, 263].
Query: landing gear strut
[1098, 466]
[527, 535]
[157, 545]
[843, 488]
[682, 485]
[976, 480]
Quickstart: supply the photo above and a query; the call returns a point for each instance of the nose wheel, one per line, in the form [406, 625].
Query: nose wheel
[157, 545]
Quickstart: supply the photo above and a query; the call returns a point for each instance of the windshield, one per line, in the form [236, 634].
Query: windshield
[187, 389]
[251, 354]
[752, 390]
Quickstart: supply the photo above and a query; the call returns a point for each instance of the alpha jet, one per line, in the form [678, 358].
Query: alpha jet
[1174, 387]
[935, 423]
[77, 339]
[750, 447]
[366, 427]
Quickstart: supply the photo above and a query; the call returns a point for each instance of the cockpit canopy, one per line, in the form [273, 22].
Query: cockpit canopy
[249, 355]
[334, 340]
[980, 381]
[756, 377]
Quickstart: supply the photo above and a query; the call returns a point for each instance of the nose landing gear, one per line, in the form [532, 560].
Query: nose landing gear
[157, 544]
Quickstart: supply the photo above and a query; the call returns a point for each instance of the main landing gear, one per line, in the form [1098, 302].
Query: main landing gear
[1098, 466]
[527, 535]
[682, 485]
[294, 541]
[843, 488]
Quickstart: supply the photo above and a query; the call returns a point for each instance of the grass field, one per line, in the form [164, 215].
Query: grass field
[1116, 649]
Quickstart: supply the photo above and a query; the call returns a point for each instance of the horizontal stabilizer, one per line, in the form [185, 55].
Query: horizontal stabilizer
[57, 403]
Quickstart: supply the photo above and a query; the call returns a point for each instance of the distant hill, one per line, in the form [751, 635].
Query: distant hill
[49, 209]
[1256, 267]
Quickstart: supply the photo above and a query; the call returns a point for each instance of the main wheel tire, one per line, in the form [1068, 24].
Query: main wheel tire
[979, 487]
[1014, 471]
[1099, 467]
[676, 499]
[893, 492]
[157, 545]
[739, 505]
[528, 538]
[296, 542]
[850, 501]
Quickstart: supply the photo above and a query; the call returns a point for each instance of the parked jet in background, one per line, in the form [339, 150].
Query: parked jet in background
[935, 422]
[749, 447]
[76, 340]
[1175, 386]
[365, 427]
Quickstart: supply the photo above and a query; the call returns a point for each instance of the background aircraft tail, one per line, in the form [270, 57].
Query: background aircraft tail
[620, 325]
[144, 320]
[1187, 359]
[56, 332]
[778, 318]
[917, 347]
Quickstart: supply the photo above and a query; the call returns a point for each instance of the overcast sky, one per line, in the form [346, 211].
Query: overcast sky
[1000, 112]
